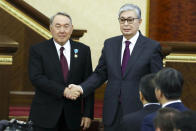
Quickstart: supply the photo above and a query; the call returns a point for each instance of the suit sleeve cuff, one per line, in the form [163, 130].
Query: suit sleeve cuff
[81, 89]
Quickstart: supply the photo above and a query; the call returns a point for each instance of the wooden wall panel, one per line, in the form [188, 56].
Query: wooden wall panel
[13, 29]
[4, 92]
[172, 20]
[25, 37]
[188, 71]
[173, 23]
[7, 49]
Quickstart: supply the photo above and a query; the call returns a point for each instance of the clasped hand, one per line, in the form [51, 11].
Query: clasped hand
[73, 91]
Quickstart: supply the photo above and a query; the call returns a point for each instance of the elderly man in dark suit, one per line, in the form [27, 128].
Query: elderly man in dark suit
[124, 60]
[53, 65]
[168, 89]
[133, 121]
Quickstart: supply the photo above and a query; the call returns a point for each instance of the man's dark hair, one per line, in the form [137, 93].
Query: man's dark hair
[187, 121]
[170, 82]
[166, 119]
[146, 87]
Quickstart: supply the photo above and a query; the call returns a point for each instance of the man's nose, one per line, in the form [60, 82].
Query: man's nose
[62, 29]
[126, 22]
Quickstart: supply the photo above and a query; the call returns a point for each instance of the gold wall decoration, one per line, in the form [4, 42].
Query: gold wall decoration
[25, 19]
[6, 60]
[176, 57]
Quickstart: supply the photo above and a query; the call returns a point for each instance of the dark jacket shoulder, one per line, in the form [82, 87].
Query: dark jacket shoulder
[148, 40]
[115, 38]
[79, 44]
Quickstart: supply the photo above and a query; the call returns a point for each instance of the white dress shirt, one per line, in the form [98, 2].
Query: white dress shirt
[133, 40]
[66, 51]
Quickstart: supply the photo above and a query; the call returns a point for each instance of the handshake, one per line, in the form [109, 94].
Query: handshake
[73, 91]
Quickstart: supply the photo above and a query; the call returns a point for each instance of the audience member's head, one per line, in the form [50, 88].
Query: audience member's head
[187, 121]
[166, 118]
[147, 90]
[168, 84]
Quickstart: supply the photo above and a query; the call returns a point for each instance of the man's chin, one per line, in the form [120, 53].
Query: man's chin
[127, 34]
[61, 42]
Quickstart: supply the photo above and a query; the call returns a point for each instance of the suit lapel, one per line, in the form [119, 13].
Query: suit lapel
[53, 55]
[72, 59]
[117, 53]
[136, 53]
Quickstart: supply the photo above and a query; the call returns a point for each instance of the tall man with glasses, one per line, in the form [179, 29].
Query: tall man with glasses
[53, 64]
[124, 60]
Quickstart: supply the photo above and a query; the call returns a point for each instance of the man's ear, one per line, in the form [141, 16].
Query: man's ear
[72, 29]
[140, 21]
[158, 93]
[50, 27]
[141, 96]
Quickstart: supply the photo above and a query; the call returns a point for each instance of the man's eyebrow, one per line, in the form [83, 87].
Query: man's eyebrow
[57, 24]
[126, 17]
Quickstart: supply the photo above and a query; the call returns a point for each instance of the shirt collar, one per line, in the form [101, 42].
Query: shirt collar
[170, 102]
[151, 104]
[66, 45]
[133, 39]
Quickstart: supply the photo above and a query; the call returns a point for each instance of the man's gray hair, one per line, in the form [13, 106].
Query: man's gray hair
[128, 7]
[60, 13]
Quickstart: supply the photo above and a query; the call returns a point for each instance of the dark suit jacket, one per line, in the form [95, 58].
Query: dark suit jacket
[133, 121]
[47, 78]
[146, 58]
[147, 124]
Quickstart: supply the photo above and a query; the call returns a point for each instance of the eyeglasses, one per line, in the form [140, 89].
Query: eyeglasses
[129, 20]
